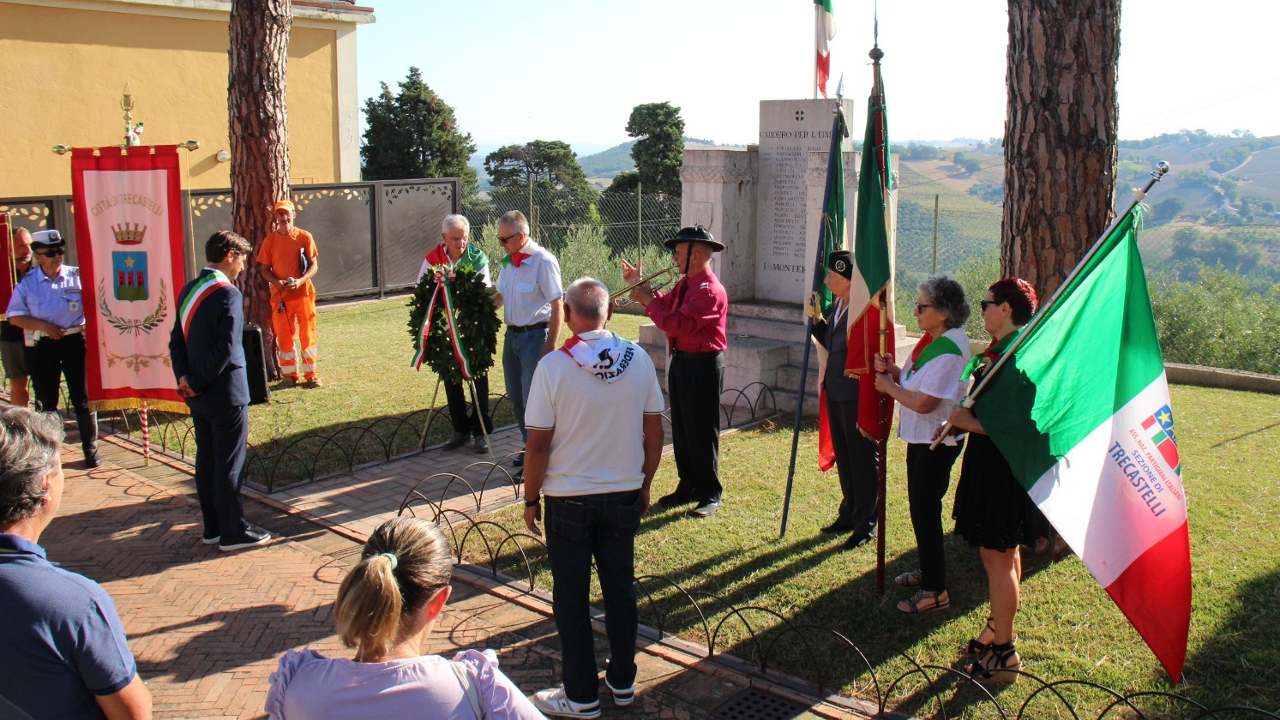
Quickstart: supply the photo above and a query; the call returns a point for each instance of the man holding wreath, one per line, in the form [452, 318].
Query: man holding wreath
[457, 251]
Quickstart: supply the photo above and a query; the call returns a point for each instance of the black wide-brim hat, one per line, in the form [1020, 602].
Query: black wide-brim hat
[697, 234]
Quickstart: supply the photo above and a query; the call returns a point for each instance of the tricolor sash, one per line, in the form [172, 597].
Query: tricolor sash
[473, 258]
[203, 289]
[930, 348]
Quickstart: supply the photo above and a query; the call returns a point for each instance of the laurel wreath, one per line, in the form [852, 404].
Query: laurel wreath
[137, 362]
[128, 325]
[474, 318]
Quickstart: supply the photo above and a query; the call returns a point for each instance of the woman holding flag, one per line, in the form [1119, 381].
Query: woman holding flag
[926, 388]
[993, 512]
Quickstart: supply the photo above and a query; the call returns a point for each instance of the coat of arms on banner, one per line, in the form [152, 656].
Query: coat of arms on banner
[130, 273]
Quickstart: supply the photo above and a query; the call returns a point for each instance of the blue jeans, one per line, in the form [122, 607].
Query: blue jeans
[579, 529]
[521, 352]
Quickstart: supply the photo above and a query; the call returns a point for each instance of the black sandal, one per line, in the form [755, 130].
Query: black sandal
[976, 646]
[999, 666]
[915, 604]
[909, 579]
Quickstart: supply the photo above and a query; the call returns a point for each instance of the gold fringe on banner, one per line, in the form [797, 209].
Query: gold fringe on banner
[153, 405]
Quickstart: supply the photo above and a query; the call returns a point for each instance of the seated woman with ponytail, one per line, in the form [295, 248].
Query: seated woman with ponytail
[386, 607]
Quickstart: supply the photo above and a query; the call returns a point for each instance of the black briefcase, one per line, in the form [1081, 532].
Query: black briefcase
[255, 362]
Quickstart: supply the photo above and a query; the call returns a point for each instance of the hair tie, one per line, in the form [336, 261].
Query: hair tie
[392, 557]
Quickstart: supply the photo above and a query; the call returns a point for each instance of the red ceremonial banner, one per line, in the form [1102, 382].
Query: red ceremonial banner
[128, 208]
[6, 261]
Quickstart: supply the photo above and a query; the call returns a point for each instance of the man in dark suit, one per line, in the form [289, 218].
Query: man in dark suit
[206, 346]
[855, 454]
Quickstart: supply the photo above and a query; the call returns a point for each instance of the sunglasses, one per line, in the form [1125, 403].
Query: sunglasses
[920, 307]
[988, 303]
[51, 252]
[504, 240]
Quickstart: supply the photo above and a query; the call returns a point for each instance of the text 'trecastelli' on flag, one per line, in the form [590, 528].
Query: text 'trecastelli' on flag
[1081, 411]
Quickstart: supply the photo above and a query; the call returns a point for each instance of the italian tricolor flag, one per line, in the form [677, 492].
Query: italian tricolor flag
[824, 32]
[873, 259]
[1081, 411]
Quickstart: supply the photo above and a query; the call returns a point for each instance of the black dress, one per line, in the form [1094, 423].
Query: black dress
[992, 508]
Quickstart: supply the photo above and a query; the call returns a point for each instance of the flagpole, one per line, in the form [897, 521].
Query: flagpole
[1161, 168]
[882, 443]
[819, 263]
[817, 28]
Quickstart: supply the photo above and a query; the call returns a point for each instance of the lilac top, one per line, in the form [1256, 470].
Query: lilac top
[310, 686]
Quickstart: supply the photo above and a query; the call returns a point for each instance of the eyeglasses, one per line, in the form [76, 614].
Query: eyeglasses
[504, 240]
[988, 303]
[921, 306]
[52, 252]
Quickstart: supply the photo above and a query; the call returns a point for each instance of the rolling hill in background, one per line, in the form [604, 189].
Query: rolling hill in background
[1220, 204]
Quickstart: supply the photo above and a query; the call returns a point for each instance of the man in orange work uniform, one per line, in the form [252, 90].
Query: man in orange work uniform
[288, 260]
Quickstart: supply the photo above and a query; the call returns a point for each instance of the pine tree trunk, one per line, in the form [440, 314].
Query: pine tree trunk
[1060, 135]
[259, 140]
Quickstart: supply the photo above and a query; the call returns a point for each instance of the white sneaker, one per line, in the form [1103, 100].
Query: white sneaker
[621, 696]
[554, 702]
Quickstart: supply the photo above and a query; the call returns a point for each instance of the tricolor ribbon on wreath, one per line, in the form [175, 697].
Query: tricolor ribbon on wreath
[443, 276]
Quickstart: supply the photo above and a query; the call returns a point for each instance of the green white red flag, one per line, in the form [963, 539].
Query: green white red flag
[831, 237]
[824, 31]
[1081, 411]
[873, 255]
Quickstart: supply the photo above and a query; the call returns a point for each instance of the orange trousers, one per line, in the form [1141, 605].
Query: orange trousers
[302, 312]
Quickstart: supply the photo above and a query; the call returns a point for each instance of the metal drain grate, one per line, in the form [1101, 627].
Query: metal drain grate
[752, 704]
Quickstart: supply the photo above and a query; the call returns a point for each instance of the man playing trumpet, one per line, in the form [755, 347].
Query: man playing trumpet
[694, 316]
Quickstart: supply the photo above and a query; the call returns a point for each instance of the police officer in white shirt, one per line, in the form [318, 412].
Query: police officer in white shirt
[48, 306]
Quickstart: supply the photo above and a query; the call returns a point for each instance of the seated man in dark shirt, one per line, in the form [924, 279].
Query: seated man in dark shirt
[65, 652]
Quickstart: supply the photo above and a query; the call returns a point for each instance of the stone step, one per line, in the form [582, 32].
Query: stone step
[789, 381]
[791, 331]
[766, 310]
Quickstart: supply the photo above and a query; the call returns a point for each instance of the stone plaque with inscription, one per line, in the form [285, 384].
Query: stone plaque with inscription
[789, 131]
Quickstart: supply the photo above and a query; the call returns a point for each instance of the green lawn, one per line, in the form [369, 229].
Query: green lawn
[373, 404]
[1068, 627]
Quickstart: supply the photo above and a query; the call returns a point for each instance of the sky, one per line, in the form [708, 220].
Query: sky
[572, 70]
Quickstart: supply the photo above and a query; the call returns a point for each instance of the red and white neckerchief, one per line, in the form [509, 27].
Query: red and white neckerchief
[600, 353]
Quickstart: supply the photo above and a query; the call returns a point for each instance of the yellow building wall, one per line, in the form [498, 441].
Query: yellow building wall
[62, 72]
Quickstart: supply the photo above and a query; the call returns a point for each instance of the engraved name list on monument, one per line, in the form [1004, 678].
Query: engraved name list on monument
[789, 131]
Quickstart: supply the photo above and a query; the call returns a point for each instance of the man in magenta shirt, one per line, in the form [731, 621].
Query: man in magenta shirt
[693, 316]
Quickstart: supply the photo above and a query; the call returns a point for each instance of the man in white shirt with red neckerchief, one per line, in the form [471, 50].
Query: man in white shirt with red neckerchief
[531, 301]
[457, 250]
[595, 439]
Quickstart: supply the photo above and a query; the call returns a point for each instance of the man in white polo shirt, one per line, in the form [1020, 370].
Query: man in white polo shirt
[530, 298]
[595, 438]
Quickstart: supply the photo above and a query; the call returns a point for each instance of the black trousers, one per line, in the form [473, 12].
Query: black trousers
[221, 433]
[462, 422]
[696, 382]
[928, 474]
[48, 361]
[856, 464]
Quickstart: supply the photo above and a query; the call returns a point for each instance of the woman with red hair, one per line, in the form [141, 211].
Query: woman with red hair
[993, 512]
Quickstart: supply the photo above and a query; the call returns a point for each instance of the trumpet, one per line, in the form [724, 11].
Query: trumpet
[621, 299]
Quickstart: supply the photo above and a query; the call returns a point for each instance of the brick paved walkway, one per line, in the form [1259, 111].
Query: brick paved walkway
[207, 627]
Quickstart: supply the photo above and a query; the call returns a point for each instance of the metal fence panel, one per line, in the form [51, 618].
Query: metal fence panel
[341, 218]
[412, 211]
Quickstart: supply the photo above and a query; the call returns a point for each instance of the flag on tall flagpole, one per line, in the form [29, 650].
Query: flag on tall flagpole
[873, 255]
[1081, 411]
[831, 237]
[824, 32]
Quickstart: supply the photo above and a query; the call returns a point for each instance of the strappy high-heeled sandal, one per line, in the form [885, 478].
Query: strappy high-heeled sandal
[976, 646]
[999, 666]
